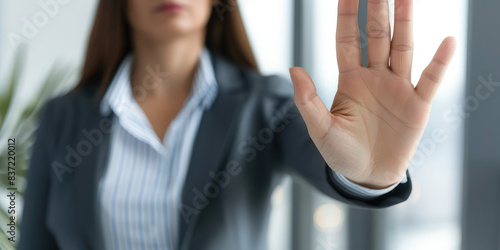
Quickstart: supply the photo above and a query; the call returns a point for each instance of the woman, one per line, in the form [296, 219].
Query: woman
[172, 140]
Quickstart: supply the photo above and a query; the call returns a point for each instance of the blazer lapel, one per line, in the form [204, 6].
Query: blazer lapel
[212, 142]
[87, 177]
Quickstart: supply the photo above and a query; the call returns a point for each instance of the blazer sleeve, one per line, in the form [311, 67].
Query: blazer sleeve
[34, 233]
[300, 155]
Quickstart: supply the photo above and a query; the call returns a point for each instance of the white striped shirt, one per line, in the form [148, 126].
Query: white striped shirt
[140, 192]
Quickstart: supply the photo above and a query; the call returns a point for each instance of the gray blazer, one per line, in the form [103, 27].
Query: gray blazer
[251, 136]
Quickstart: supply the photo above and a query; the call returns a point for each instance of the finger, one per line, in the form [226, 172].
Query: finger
[402, 42]
[378, 32]
[348, 45]
[432, 76]
[312, 109]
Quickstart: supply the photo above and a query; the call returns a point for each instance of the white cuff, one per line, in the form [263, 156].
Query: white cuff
[363, 192]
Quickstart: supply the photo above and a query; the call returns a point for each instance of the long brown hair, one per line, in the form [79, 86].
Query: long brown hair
[110, 41]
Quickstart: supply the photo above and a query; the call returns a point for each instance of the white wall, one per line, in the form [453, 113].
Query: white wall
[269, 26]
[61, 37]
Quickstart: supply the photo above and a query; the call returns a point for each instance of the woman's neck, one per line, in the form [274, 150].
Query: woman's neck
[162, 77]
[166, 69]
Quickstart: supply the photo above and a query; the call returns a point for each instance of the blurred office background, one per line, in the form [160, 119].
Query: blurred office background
[451, 207]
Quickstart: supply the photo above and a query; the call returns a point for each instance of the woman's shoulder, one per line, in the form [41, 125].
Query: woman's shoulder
[229, 74]
[272, 86]
[69, 109]
[73, 101]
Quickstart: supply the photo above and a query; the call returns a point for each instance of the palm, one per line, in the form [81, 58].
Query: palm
[378, 117]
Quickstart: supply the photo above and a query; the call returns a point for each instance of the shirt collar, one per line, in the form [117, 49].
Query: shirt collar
[118, 98]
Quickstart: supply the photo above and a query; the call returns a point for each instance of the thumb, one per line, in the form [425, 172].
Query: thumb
[312, 109]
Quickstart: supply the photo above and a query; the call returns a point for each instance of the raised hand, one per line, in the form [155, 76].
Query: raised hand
[378, 117]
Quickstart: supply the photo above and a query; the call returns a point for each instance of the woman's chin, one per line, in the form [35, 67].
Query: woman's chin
[176, 29]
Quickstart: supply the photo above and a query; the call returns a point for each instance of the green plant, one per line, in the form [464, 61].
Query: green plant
[20, 122]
